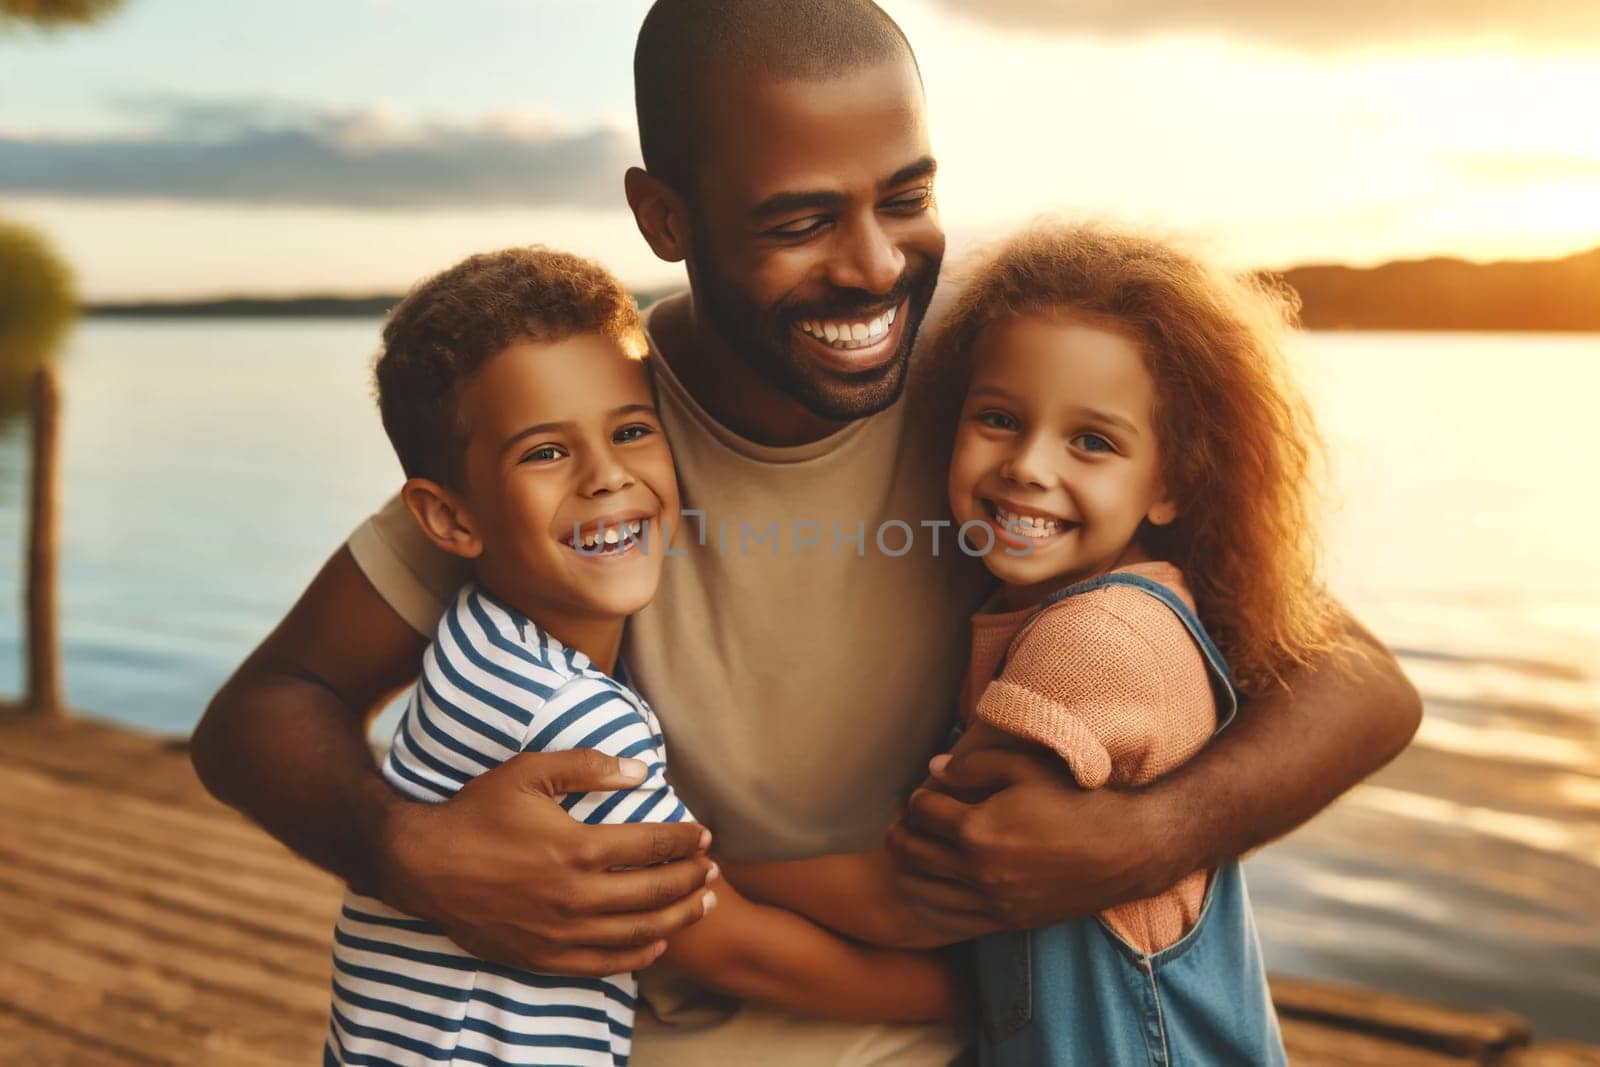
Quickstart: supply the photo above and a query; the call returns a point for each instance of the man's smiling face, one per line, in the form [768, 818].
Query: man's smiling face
[816, 245]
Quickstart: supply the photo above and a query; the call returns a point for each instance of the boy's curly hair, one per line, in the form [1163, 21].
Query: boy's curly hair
[1239, 450]
[451, 324]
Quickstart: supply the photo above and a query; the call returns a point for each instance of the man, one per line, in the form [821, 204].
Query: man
[803, 666]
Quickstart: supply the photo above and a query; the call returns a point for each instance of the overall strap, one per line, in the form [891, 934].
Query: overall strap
[1217, 667]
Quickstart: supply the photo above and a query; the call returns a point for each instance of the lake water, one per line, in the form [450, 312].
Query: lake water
[211, 466]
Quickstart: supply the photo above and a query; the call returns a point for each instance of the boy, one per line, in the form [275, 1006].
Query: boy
[512, 390]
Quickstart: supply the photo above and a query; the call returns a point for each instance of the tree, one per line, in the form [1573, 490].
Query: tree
[37, 305]
[49, 13]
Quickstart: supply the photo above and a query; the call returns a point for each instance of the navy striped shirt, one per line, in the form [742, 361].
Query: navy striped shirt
[493, 684]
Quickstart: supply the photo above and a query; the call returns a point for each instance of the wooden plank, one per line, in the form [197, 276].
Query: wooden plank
[249, 936]
[147, 924]
[1553, 1054]
[1312, 1044]
[116, 858]
[1478, 1036]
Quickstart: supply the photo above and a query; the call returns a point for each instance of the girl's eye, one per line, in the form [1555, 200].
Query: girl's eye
[633, 432]
[542, 454]
[996, 420]
[1093, 442]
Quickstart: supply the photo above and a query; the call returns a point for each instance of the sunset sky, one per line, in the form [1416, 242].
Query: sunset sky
[187, 147]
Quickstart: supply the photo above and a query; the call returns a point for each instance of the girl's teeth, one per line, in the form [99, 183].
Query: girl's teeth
[1027, 525]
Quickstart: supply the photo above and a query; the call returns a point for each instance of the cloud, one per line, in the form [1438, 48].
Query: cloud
[262, 152]
[1315, 26]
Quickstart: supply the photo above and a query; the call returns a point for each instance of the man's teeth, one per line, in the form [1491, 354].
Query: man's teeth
[612, 533]
[1027, 525]
[850, 334]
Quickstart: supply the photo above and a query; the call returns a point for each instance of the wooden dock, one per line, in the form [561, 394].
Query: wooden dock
[143, 923]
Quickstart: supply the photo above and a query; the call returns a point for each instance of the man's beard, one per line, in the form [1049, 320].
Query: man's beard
[764, 338]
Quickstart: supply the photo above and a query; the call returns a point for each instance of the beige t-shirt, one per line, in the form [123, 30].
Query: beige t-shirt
[803, 656]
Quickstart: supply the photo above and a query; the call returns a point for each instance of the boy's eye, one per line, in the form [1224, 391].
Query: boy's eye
[633, 432]
[543, 454]
[1092, 442]
[996, 420]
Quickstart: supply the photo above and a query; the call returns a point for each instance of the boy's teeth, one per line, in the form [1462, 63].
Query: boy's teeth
[609, 533]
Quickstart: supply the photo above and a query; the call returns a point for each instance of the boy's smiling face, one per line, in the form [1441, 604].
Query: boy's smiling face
[564, 443]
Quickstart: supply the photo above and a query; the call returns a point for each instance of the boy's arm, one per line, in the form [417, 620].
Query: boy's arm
[857, 894]
[1004, 836]
[501, 867]
[853, 894]
[755, 952]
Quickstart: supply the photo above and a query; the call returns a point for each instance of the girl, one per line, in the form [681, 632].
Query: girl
[1131, 440]
[1129, 457]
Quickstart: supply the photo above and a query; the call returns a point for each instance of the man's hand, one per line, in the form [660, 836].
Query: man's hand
[511, 877]
[1001, 837]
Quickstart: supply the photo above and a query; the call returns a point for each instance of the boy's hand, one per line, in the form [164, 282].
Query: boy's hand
[511, 877]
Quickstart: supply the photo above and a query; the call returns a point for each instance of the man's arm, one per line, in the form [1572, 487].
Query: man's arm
[1003, 835]
[501, 867]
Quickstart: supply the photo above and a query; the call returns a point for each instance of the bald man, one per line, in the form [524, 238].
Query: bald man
[803, 660]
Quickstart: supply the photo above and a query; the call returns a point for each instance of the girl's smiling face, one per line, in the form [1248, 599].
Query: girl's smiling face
[1056, 450]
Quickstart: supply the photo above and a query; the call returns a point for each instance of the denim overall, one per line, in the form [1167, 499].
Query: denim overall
[1076, 993]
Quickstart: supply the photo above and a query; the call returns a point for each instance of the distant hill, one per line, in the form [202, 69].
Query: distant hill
[1452, 294]
[1428, 294]
[244, 307]
[251, 307]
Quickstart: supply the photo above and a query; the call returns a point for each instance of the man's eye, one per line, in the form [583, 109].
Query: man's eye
[912, 202]
[542, 454]
[633, 432]
[996, 420]
[800, 227]
[1092, 442]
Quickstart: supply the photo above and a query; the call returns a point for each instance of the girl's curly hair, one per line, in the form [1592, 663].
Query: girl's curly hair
[1239, 450]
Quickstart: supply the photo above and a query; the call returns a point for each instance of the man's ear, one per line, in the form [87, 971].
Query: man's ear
[443, 516]
[660, 213]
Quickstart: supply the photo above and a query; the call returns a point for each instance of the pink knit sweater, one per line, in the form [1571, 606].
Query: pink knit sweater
[1113, 683]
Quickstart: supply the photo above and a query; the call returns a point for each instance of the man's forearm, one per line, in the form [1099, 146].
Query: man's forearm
[285, 740]
[1288, 755]
[293, 758]
[1004, 836]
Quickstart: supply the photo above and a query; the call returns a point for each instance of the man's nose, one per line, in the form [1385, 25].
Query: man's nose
[866, 259]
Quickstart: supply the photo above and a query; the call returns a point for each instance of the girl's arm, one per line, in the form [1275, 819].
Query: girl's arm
[755, 952]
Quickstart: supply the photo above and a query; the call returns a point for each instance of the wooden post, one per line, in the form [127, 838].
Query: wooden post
[44, 695]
